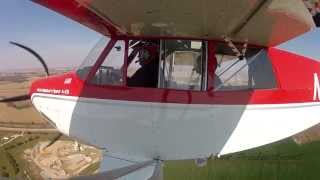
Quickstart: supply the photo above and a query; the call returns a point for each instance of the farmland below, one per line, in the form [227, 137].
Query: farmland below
[24, 134]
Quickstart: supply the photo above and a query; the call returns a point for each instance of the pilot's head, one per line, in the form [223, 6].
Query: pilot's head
[144, 56]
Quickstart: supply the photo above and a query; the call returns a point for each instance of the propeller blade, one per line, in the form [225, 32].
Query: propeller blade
[44, 65]
[15, 98]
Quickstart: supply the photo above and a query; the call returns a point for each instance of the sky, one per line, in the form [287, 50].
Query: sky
[65, 43]
[59, 40]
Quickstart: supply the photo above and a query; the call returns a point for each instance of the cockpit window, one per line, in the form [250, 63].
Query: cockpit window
[111, 70]
[183, 65]
[143, 62]
[92, 57]
[254, 71]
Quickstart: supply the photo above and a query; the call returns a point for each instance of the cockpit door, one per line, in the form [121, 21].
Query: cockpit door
[183, 65]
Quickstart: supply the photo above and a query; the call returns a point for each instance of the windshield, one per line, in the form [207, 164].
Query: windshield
[92, 57]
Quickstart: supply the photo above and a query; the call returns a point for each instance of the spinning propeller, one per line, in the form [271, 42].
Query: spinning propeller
[26, 96]
[44, 65]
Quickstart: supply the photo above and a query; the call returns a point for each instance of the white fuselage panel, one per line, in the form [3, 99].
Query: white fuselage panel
[174, 131]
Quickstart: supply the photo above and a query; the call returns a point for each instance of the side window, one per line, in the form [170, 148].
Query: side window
[91, 58]
[143, 63]
[183, 64]
[111, 72]
[252, 72]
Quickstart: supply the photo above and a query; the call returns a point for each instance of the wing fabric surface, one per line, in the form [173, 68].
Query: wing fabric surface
[261, 22]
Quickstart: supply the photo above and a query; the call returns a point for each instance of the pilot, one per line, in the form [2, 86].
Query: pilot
[148, 58]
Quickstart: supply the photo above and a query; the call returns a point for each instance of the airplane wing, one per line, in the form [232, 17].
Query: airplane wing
[261, 22]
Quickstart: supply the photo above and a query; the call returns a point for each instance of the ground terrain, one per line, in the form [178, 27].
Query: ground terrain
[23, 132]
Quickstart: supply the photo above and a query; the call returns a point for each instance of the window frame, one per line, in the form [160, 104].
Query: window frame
[205, 72]
[90, 61]
[209, 52]
[211, 85]
[102, 58]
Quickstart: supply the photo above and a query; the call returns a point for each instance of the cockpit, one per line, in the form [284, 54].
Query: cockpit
[190, 65]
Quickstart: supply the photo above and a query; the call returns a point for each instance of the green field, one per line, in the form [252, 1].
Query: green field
[284, 160]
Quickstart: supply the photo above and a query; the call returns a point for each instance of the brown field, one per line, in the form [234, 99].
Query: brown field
[20, 119]
[19, 114]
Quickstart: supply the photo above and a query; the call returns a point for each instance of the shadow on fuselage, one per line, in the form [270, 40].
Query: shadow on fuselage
[150, 122]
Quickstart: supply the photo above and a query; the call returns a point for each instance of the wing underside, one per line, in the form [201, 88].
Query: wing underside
[261, 22]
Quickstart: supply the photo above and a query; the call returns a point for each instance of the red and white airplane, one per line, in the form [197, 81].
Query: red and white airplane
[175, 80]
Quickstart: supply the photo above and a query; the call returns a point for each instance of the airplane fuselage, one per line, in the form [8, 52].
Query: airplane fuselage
[169, 123]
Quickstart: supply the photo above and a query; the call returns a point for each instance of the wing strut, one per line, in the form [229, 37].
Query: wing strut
[117, 173]
[158, 171]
